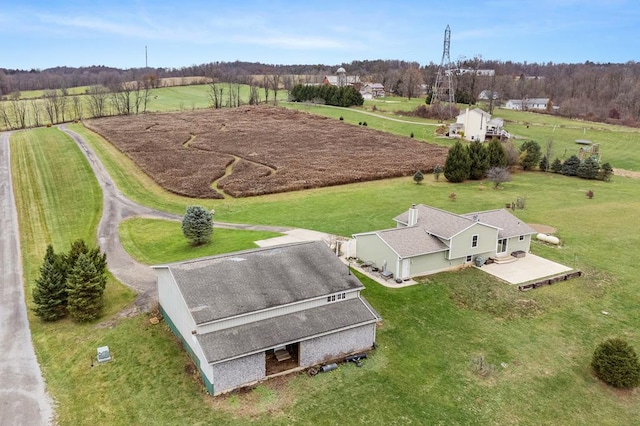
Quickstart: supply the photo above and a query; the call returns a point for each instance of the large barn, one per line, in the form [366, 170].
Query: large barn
[249, 315]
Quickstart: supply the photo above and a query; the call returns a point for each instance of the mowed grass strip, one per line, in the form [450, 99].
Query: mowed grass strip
[154, 241]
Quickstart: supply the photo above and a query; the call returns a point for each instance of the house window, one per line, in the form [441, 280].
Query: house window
[474, 241]
[521, 238]
[469, 258]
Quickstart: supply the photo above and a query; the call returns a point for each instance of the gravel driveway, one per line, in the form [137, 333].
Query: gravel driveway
[23, 399]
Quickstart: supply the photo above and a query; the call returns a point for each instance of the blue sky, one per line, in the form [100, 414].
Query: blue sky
[42, 34]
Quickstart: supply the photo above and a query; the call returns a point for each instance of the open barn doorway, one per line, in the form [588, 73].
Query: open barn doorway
[282, 358]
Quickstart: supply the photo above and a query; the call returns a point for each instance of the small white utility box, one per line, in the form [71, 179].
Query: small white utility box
[103, 354]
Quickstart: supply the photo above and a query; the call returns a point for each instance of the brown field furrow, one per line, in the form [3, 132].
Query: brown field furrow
[307, 151]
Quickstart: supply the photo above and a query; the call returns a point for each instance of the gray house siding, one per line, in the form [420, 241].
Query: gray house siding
[231, 374]
[370, 248]
[461, 243]
[320, 349]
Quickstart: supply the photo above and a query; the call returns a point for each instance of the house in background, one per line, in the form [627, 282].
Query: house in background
[485, 94]
[477, 125]
[427, 240]
[245, 316]
[372, 90]
[540, 104]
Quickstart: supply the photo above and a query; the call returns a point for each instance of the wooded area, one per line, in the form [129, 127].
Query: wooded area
[594, 91]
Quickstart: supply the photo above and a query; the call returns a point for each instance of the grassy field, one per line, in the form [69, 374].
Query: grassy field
[536, 345]
[154, 241]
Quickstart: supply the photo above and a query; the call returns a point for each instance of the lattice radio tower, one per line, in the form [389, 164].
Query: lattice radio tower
[443, 89]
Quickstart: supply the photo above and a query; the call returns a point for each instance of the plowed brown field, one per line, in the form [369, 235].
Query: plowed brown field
[250, 151]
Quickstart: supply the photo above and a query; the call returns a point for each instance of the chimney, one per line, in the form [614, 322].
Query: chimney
[413, 216]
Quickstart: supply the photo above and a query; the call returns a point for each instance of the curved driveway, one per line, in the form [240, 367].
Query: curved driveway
[118, 207]
[23, 399]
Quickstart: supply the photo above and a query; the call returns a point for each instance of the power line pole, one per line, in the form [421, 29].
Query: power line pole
[443, 88]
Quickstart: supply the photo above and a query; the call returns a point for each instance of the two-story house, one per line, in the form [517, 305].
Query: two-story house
[249, 315]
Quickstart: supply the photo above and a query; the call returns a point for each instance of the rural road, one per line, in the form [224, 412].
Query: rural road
[117, 207]
[23, 399]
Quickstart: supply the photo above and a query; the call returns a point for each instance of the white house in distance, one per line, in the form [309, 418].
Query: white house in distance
[372, 90]
[427, 240]
[540, 104]
[477, 125]
[245, 316]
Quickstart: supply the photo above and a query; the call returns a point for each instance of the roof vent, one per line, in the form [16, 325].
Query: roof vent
[475, 217]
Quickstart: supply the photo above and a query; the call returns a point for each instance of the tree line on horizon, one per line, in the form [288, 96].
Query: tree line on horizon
[593, 91]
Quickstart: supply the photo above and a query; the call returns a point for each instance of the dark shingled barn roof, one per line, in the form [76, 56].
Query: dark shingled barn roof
[261, 335]
[223, 286]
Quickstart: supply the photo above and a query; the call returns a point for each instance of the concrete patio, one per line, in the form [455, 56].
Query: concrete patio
[524, 269]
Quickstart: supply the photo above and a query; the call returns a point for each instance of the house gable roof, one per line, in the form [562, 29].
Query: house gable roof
[411, 241]
[438, 222]
[508, 225]
[252, 280]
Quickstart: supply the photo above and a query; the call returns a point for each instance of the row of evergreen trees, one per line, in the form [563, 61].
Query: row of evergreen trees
[472, 161]
[589, 168]
[71, 283]
[344, 96]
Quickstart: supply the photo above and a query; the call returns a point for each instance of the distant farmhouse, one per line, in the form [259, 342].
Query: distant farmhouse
[342, 79]
[367, 90]
[245, 316]
[372, 90]
[485, 94]
[427, 240]
[477, 125]
[540, 104]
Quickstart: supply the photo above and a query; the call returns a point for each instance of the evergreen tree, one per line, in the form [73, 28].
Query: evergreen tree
[530, 153]
[544, 164]
[496, 153]
[479, 157]
[616, 363]
[588, 169]
[556, 166]
[94, 255]
[85, 288]
[437, 171]
[456, 167]
[197, 225]
[605, 173]
[50, 291]
[418, 177]
[570, 166]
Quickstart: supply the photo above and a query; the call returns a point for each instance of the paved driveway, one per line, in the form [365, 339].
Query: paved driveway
[23, 400]
[524, 269]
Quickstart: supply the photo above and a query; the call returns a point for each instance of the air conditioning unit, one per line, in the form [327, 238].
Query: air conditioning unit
[103, 354]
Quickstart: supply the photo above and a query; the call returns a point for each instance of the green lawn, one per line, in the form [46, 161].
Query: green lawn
[153, 241]
[432, 336]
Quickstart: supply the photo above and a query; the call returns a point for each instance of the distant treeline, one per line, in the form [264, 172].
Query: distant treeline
[596, 91]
